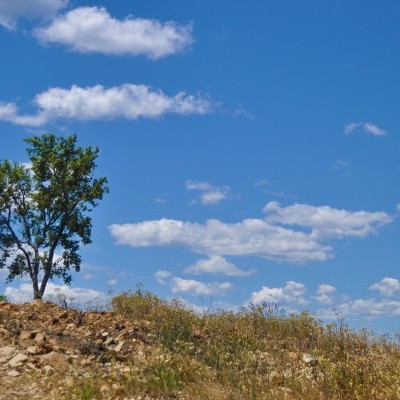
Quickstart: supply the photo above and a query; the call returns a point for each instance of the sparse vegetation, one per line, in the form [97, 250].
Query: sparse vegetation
[258, 353]
[3, 297]
[150, 349]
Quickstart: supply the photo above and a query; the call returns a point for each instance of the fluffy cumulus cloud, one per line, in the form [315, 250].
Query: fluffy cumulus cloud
[74, 296]
[327, 222]
[12, 10]
[216, 265]
[128, 101]
[388, 287]
[325, 294]
[94, 30]
[209, 194]
[249, 237]
[196, 288]
[191, 286]
[257, 237]
[162, 276]
[292, 293]
[367, 127]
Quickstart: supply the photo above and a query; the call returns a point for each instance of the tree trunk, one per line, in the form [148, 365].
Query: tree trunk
[37, 295]
[36, 291]
[45, 279]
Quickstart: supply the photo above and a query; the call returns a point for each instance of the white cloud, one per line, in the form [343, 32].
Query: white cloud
[327, 222]
[12, 10]
[196, 288]
[387, 287]
[341, 165]
[366, 127]
[324, 294]
[251, 237]
[94, 30]
[73, 295]
[216, 265]
[292, 293]
[257, 237]
[191, 286]
[161, 200]
[262, 182]
[127, 101]
[162, 276]
[325, 289]
[112, 282]
[363, 309]
[9, 112]
[209, 194]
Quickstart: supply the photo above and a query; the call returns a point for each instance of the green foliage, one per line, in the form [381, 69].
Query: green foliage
[43, 209]
[3, 297]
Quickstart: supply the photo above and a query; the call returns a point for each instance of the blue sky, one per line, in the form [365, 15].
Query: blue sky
[252, 148]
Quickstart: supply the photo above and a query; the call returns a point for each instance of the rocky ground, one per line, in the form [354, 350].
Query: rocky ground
[46, 351]
[148, 349]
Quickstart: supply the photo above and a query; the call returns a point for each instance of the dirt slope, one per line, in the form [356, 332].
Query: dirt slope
[46, 351]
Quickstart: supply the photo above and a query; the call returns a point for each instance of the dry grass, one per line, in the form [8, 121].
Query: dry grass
[259, 353]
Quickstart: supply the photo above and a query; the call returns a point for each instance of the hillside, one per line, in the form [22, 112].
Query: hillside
[150, 349]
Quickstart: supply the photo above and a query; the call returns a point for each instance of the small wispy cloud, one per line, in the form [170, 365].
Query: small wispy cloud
[161, 200]
[216, 265]
[208, 193]
[190, 286]
[242, 112]
[261, 182]
[341, 165]
[367, 127]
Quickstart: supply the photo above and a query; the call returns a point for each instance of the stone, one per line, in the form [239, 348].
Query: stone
[39, 338]
[7, 351]
[275, 378]
[32, 350]
[56, 360]
[13, 373]
[118, 347]
[69, 382]
[24, 335]
[18, 360]
[47, 368]
[308, 359]
[108, 341]
[63, 315]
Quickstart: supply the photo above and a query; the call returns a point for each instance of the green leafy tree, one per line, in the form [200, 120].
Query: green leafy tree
[44, 207]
